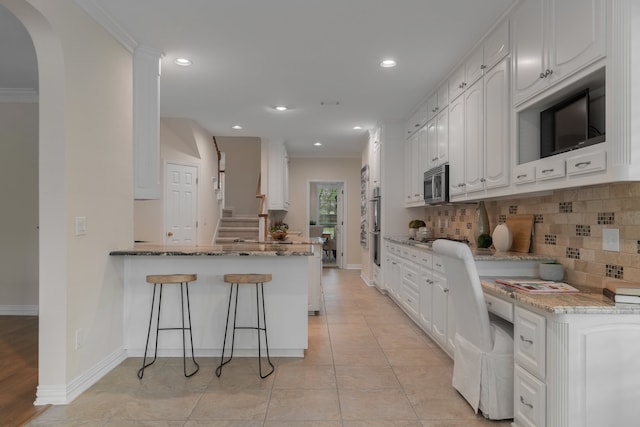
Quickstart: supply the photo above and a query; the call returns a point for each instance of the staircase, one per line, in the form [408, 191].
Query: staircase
[233, 228]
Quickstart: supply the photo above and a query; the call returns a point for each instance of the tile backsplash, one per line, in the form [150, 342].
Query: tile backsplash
[568, 225]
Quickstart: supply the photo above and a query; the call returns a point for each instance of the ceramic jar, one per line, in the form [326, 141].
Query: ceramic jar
[502, 238]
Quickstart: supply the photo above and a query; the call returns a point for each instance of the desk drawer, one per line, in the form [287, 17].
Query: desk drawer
[529, 400]
[499, 307]
[529, 337]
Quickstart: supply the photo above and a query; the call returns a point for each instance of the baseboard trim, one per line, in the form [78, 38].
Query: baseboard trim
[65, 393]
[19, 310]
[354, 266]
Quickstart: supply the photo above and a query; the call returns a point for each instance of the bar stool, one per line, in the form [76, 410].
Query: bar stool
[165, 279]
[243, 279]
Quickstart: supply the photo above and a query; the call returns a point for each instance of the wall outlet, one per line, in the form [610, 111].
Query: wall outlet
[79, 338]
[611, 239]
[81, 225]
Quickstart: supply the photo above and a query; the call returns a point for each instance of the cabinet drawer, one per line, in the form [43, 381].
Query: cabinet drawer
[529, 399]
[550, 169]
[425, 259]
[586, 163]
[529, 338]
[499, 307]
[524, 174]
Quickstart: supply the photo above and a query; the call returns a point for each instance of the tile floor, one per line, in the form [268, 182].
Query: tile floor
[367, 365]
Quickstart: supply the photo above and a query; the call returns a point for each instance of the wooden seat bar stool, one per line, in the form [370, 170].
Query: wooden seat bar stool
[245, 279]
[161, 280]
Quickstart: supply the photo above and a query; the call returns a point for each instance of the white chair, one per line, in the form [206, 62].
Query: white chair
[483, 355]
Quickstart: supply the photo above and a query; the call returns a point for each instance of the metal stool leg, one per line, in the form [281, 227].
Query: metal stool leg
[260, 296]
[184, 351]
[226, 329]
[144, 359]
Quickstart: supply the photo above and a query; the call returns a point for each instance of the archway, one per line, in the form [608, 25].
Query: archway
[52, 202]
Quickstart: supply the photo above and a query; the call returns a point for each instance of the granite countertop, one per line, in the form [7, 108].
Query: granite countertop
[587, 301]
[478, 254]
[232, 249]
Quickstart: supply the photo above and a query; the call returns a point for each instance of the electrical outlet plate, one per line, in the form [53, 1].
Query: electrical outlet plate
[611, 239]
[81, 225]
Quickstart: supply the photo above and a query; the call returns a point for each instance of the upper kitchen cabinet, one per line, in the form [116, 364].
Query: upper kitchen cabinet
[438, 101]
[438, 140]
[277, 175]
[416, 152]
[552, 39]
[417, 120]
[493, 48]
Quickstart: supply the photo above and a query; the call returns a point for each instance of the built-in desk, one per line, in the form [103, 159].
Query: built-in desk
[577, 357]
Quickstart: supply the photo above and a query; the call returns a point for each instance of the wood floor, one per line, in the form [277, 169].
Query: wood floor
[18, 369]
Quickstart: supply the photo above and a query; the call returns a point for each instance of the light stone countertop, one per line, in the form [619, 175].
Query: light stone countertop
[262, 249]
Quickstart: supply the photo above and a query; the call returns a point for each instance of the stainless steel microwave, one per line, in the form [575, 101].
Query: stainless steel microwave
[436, 185]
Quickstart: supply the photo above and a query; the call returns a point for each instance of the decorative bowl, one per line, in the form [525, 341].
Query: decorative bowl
[279, 235]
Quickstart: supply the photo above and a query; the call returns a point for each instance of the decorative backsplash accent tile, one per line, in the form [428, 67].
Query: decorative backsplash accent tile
[606, 218]
[573, 253]
[565, 207]
[638, 246]
[502, 218]
[583, 230]
[615, 271]
[457, 231]
[453, 218]
[538, 219]
[513, 209]
[470, 226]
[550, 239]
[463, 212]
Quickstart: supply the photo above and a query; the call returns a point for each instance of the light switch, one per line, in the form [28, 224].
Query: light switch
[611, 239]
[81, 225]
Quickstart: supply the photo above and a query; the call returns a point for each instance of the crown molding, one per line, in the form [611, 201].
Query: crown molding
[18, 95]
[107, 21]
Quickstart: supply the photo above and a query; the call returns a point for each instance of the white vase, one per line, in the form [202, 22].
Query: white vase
[502, 238]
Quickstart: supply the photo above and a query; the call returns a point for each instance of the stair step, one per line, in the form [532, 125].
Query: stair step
[239, 222]
[226, 240]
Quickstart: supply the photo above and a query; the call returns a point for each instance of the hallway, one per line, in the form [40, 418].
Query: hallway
[367, 365]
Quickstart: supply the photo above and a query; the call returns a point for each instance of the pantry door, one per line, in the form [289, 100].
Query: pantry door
[181, 197]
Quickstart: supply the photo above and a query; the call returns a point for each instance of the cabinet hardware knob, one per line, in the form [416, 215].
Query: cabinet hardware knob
[446, 290]
[522, 338]
[582, 164]
[542, 76]
[525, 403]
[524, 175]
[489, 303]
[482, 180]
[482, 67]
[548, 72]
[170, 234]
[547, 170]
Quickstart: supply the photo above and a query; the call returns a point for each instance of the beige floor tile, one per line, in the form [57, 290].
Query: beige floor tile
[304, 405]
[381, 404]
[224, 423]
[451, 409]
[417, 357]
[360, 357]
[303, 424]
[294, 376]
[382, 423]
[244, 404]
[366, 377]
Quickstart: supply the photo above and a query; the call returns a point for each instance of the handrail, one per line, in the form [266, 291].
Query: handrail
[261, 214]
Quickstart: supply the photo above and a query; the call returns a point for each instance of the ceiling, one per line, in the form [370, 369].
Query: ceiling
[251, 55]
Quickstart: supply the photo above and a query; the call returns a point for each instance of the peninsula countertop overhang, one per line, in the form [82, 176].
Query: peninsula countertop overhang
[261, 249]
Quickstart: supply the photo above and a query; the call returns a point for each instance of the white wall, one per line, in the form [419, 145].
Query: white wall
[303, 170]
[242, 155]
[19, 195]
[183, 141]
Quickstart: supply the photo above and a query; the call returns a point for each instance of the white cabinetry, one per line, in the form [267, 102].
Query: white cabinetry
[438, 140]
[417, 120]
[554, 38]
[425, 283]
[416, 153]
[438, 101]
[278, 176]
[479, 135]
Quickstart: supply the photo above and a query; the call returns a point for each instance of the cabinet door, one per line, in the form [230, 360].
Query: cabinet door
[408, 177]
[432, 143]
[410, 290]
[474, 137]
[473, 68]
[456, 146]
[529, 49]
[442, 124]
[440, 306]
[456, 81]
[496, 46]
[432, 106]
[443, 97]
[578, 34]
[418, 150]
[497, 118]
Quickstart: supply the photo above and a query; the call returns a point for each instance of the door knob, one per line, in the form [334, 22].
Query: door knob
[170, 233]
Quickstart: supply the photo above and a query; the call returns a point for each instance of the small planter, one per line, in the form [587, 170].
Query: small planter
[279, 235]
[551, 271]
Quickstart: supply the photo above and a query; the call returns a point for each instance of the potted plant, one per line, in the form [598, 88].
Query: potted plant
[551, 270]
[278, 230]
[414, 224]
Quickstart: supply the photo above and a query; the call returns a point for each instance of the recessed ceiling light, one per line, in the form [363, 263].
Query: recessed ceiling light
[357, 128]
[388, 63]
[317, 144]
[183, 62]
[281, 108]
[236, 127]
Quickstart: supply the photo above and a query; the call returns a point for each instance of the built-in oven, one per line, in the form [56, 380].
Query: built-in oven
[375, 225]
[436, 185]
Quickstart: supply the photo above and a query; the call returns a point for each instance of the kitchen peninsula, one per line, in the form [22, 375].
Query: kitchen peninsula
[294, 268]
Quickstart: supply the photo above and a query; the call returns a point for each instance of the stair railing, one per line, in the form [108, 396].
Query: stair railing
[261, 213]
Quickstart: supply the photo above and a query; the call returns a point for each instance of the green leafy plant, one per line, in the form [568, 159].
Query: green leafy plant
[417, 223]
[279, 226]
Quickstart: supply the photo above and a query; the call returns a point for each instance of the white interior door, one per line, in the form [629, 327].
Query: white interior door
[181, 198]
[339, 235]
